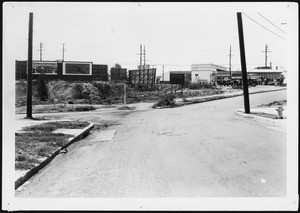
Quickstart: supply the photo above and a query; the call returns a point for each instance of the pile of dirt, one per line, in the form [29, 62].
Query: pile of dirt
[62, 90]
[104, 93]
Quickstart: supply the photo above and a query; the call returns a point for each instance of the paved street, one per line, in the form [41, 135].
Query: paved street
[201, 150]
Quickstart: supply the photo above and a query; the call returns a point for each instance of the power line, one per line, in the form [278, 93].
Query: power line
[263, 26]
[270, 22]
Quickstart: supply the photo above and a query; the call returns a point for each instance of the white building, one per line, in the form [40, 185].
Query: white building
[206, 73]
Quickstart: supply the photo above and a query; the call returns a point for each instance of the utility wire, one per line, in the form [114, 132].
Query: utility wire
[264, 27]
[270, 22]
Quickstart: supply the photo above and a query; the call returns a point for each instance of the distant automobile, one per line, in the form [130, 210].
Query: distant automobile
[272, 82]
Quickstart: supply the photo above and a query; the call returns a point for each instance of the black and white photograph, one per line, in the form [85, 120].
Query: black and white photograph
[150, 106]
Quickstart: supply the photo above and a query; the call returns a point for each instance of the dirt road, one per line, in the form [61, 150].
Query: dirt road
[201, 150]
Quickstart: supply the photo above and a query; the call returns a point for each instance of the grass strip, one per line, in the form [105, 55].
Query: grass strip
[38, 143]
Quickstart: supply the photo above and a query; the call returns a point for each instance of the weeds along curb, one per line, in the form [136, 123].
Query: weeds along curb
[217, 97]
[34, 170]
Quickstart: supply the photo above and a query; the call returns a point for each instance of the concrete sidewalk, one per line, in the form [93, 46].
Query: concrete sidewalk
[266, 114]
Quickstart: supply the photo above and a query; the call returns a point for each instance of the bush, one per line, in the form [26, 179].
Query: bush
[104, 89]
[42, 89]
[166, 100]
[78, 91]
[85, 108]
[200, 86]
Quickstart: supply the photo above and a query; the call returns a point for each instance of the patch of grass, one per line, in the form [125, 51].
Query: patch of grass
[126, 108]
[32, 146]
[40, 142]
[52, 126]
[85, 108]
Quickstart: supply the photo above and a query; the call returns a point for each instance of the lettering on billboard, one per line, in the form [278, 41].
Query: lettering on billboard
[77, 68]
[44, 67]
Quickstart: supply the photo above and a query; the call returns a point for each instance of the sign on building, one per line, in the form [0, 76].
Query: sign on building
[44, 67]
[77, 68]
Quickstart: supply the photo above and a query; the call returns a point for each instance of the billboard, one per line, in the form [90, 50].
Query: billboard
[176, 78]
[77, 68]
[45, 67]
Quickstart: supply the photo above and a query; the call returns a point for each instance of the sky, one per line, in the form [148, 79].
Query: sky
[175, 35]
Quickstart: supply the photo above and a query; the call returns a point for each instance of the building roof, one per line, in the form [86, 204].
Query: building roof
[265, 71]
[210, 65]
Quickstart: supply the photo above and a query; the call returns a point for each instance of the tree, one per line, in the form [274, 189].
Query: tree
[118, 66]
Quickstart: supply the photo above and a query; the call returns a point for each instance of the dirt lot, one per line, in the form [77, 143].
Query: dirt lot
[66, 96]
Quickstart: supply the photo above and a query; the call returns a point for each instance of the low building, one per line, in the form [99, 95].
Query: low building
[63, 70]
[206, 73]
[268, 74]
[263, 76]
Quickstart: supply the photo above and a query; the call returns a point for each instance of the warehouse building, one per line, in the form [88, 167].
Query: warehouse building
[206, 73]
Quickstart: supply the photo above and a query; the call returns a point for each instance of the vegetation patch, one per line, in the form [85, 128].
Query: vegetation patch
[52, 126]
[30, 147]
[84, 108]
[274, 103]
[126, 108]
[166, 100]
[39, 142]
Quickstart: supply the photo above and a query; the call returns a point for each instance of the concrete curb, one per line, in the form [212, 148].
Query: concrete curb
[256, 117]
[34, 170]
[217, 97]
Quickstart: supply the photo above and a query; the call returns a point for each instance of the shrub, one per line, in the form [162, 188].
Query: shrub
[42, 89]
[166, 100]
[85, 108]
[200, 86]
[104, 89]
[78, 91]
[194, 86]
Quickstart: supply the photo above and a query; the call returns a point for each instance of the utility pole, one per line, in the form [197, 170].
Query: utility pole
[63, 50]
[144, 57]
[230, 55]
[29, 67]
[41, 50]
[163, 73]
[141, 61]
[144, 73]
[243, 62]
[266, 55]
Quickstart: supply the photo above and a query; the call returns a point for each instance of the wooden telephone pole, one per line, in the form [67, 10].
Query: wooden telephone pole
[243, 62]
[29, 67]
[230, 55]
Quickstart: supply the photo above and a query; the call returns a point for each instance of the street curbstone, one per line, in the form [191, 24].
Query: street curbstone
[256, 117]
[218, 97]
[21, 180]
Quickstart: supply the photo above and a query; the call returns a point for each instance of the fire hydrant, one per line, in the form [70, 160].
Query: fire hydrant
[279, 110]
